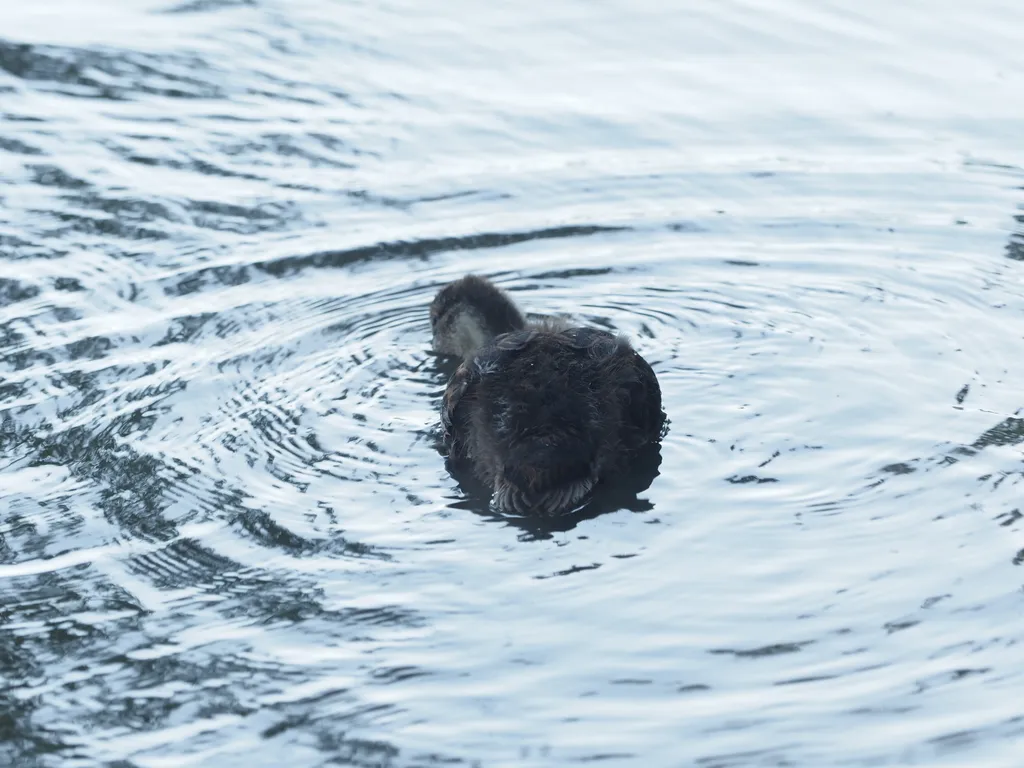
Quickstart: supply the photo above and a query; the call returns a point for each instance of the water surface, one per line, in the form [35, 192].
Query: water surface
[226, 537]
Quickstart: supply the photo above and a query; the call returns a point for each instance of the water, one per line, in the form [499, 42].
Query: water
[226, 538]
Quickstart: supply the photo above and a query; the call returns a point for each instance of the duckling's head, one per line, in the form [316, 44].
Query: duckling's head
[468, 313]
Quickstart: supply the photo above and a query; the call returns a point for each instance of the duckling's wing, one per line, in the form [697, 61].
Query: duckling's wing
[487, 361]
[594, 341]
[507, 342]
[646, 414]
[465, 376]
[643, 416]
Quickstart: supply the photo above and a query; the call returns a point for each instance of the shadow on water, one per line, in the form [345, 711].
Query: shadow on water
[416, 249]
[108, 74]
[1008, 432]
[1015, 245]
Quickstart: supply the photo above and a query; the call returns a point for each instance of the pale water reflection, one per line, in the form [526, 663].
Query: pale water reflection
[226, 535]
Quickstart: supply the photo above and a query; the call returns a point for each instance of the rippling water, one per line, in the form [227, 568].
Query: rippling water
[226, 536]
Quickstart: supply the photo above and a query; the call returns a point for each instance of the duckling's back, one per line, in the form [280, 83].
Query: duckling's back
[545, 414]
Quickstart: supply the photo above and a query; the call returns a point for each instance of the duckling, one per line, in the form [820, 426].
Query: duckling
[542, 412]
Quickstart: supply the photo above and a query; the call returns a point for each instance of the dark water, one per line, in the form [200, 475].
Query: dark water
[226, 538]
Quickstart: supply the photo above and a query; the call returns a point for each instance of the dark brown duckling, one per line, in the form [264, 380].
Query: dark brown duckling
[541, 411]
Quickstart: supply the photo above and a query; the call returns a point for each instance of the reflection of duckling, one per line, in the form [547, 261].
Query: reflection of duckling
[541, 411]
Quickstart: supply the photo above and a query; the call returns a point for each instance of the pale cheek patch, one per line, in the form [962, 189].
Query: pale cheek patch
[468, 331]
[459, 334]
